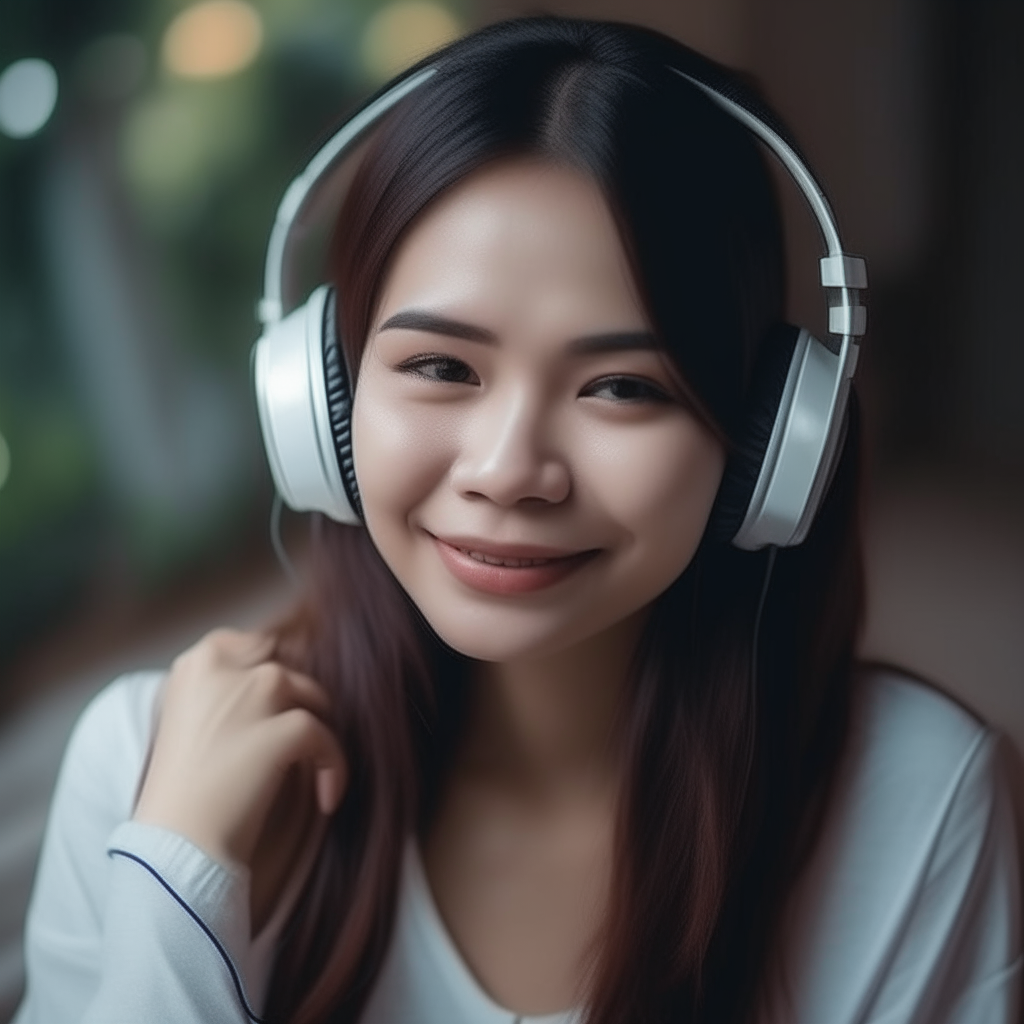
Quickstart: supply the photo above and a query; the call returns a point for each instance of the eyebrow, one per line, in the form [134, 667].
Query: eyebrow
[421, 320]
[613, 341]
[433, 323]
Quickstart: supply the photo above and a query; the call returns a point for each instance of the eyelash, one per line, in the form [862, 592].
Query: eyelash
[649, 392]
[464, 374]
[418, 365]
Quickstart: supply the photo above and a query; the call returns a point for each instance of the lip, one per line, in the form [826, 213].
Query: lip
[464, 558]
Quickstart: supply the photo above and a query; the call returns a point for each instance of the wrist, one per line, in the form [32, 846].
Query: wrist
[186, 826]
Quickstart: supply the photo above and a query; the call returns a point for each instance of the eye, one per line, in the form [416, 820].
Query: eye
[625, 389]
[440, 368]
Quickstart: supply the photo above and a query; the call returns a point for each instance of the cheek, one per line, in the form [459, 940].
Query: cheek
[400, 454]
[659, 490]
[645, 493]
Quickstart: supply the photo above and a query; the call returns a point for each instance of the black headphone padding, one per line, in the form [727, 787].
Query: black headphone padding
[744, 466]
[339, 401]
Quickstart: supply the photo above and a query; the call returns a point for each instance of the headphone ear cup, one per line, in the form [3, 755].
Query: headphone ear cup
[339, 401]
[747, 457]
[306, 435]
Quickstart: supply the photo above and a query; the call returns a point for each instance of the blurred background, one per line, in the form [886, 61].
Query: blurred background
[144, 145]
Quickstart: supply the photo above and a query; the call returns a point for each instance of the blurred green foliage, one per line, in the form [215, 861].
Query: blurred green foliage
[183, 177]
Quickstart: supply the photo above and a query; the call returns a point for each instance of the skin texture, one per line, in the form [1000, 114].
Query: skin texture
[534, 447]
[533, 477]
[242, 759]
[555, 427]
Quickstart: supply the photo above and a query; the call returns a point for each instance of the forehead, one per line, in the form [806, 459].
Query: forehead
[519, 245]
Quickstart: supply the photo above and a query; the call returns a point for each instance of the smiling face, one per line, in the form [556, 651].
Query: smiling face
[528, 467]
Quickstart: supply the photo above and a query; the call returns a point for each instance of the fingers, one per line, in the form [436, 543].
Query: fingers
[241, 649]
[298, 736]
[282, 688]
[232, 648]
[330, 789]
[232, 723]
[226, 652]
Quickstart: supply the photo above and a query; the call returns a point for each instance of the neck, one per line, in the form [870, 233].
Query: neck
[548, 724]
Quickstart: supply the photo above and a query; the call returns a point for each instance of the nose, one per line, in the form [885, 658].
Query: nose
[510, 454]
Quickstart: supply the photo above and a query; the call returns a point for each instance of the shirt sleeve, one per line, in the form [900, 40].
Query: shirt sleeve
[127, 922]
[175, 931]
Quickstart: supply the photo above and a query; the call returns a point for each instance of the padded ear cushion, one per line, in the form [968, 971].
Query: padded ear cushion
[747, 456]
[339, 401]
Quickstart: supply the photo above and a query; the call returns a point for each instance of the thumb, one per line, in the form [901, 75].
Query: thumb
[331, 768]
[331, 783]
[298, 735]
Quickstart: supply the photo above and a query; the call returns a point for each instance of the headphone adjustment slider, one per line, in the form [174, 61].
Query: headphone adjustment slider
[843, 271]
[848, 319]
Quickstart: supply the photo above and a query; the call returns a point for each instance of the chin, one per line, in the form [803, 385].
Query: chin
[507, 634]
[493, 637]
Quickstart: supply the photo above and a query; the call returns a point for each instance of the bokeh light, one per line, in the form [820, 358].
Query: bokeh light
[5, 461]
[176, 141]
[28, 94]
[401, 33]
[212, 39]
[164, 144]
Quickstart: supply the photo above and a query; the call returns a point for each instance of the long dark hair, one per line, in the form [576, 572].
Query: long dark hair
[729, 753]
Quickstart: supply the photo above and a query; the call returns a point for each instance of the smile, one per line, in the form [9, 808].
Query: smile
[509, 563]
[507, 569]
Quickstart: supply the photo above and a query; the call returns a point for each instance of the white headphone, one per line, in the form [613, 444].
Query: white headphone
[304, 398]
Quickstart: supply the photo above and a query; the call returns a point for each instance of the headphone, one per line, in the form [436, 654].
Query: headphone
[796, 419]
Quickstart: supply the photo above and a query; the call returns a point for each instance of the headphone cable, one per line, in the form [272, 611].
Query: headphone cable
[754, 652]
[287, 565]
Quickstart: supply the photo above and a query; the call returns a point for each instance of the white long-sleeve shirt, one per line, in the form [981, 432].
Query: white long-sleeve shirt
[907, 914]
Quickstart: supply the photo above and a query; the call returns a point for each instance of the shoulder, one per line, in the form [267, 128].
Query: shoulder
[106, 753]
[893, 706]
[125, 706]
[95, 792]
[913, 752]
[116, 726]
[912, 892]
[922, 777]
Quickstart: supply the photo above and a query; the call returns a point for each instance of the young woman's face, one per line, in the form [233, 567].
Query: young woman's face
[528, 467]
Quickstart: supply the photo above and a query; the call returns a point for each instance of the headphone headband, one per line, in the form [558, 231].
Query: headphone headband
[297, 195]
[838, 269]
[304, 403]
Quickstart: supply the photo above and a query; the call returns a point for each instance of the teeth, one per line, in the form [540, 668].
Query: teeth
[509, 563]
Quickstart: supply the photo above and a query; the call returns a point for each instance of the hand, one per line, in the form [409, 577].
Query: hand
[232, 725]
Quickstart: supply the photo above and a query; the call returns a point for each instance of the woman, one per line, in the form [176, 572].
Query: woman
[542, 744]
